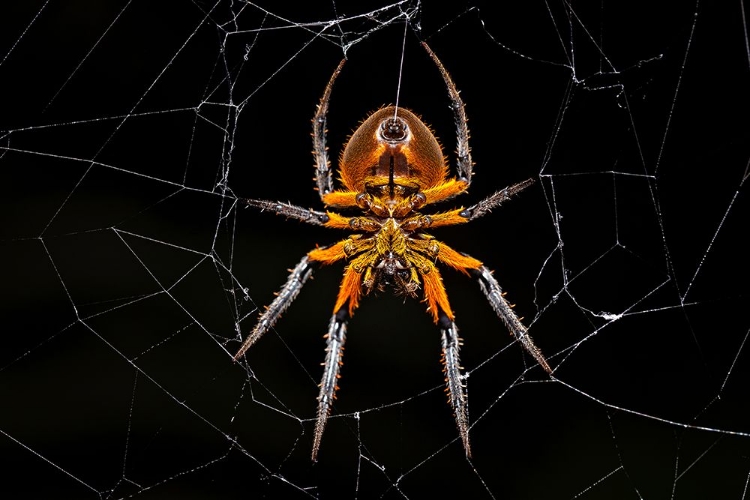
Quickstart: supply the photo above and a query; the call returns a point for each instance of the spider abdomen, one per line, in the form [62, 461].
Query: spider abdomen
[395, 146]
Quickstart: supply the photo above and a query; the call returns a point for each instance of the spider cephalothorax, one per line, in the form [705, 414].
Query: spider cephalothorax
[392, 167]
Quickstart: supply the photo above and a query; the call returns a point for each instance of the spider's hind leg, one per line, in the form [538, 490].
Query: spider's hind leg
[504, 310]
[455, 386]
[439, 307]
[335, 339]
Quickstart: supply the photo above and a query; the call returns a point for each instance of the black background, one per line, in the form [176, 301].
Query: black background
[130, 132]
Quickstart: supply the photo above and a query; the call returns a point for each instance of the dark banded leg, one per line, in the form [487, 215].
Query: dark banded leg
[335, 339]
[323, 177]
[463, 152]
[308, 215]
[504, 310]
[284, 298]
[494, 200]
[454, 379]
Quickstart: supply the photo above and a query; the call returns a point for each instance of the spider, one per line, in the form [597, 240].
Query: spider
[391, 167]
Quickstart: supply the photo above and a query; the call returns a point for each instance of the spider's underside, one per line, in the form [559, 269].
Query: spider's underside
[391, 167]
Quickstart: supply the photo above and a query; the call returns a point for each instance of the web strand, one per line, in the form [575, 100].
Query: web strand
[133, 135]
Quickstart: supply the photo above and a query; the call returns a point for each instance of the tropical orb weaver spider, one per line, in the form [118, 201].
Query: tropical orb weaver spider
[390, 168]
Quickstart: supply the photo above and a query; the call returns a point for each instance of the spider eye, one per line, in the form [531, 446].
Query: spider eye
[394, 129]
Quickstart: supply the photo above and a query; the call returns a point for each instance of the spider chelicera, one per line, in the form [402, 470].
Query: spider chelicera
[391, 167]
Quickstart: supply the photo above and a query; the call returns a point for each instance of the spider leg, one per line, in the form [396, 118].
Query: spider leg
[464, 164]
[464, 215]
[494, 294]
[341, 199]
[446, 190]
[284, 298]
[308, 215]
[455, 387]
[504, 310]
[347, 301]
[494, 200]
[323, 177]
[335, 339]
[439, 307]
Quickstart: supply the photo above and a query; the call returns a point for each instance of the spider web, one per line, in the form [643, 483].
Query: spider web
[130, 131]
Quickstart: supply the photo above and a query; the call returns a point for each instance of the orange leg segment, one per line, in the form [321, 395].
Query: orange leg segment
[457, 260]
[435, 295]
[445, 190]
[450, 218]
[340, 199]
[329, 255]
[350, 290]
[337, 221]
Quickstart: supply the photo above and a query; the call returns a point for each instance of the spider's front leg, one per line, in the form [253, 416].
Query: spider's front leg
[323, 178]
[463, 152]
